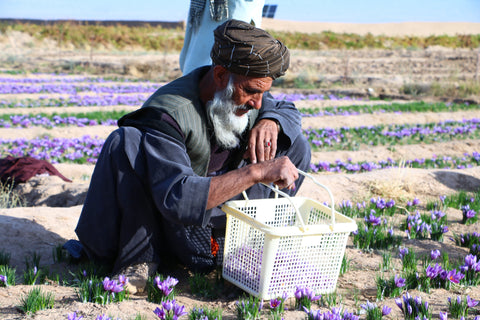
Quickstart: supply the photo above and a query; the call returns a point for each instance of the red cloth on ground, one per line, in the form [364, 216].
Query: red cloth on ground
[20, 170]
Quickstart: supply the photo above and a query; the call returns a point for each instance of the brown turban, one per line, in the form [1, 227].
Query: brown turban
[243, 49]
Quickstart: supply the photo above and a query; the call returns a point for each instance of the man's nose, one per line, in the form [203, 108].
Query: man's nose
[256, 102]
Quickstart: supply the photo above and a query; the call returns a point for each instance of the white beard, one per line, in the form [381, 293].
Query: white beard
[227, 126]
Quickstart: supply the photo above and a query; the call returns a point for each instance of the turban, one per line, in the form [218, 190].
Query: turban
[243, 49]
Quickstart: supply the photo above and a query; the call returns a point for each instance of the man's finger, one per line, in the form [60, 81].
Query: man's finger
[268, 148]
[273, 148]
[251, 152]
[261, 149]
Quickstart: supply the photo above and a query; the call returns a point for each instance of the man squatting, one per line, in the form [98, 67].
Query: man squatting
[197, 142]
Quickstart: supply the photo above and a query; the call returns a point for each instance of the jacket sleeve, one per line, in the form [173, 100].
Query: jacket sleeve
[285, 113]
[179, 194]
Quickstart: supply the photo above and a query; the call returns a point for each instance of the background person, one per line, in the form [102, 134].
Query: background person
[206, 15]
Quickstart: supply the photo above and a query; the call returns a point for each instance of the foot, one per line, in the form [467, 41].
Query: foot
[138, 276]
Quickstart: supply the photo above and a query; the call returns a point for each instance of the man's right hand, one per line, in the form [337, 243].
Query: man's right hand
[280, 171]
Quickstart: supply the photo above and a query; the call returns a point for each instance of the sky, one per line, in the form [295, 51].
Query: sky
[347, 11]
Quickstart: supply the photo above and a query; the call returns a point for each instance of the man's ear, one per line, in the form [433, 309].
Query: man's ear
[221, 76]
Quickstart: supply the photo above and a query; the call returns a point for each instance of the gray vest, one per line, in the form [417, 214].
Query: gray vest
[180, 100]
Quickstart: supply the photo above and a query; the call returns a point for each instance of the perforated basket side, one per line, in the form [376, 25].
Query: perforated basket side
[267, 257]
[243, 255]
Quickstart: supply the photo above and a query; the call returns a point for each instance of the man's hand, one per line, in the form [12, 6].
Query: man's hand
[262, 143]
[280, 171]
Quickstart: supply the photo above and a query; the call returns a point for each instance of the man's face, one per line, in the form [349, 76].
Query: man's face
[248, 92]
[228, 122]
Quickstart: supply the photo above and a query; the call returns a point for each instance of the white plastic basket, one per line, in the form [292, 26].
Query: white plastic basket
[274, 245]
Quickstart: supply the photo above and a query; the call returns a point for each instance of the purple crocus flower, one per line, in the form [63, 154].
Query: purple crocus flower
[168, 305]
[426, 227]
[122, 280]
[471, 303]
[170, 281]
[369, 306]
[386, 310]
[381, 203]
[434, 254]
[260, 305]
[178, 311]
[3, 279]
[305, 292]
[166, 286]
[299, 293]
[443, 315]
[103, 317]
[275, 303]
[112, 285]
[455, 277]
[170, 309]
[470, 261]
[433, 272]
[399, 303]
[361, 205]
[409, 309]
[314, 314]
[477, 266]
[160, 313]
[346, 204]
[73, 316]
[399, 281]
[348, 315]
[373, 220]
[439, 214]
[310, 294]
[402, 252]
[470, 214]
[418, 300]
[443, 274]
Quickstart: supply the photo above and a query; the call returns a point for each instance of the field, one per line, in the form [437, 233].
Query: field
[394, 130]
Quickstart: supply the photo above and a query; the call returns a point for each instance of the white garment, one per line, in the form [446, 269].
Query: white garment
[197, 45]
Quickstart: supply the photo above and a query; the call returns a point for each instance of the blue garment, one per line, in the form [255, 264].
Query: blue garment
[146, 204]
[199, 38]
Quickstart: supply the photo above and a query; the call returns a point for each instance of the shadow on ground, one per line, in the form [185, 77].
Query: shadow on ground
[457, 181]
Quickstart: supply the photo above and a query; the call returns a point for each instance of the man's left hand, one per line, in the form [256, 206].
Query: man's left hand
[262, 143]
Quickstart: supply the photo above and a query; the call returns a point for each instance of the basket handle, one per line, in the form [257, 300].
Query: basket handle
[324, 187]
[296, 209]
[277, 191]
